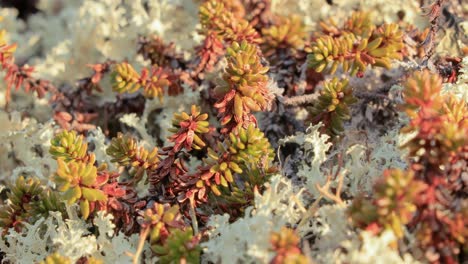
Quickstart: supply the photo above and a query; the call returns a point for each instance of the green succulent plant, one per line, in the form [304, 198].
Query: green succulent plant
[332, 106]
[125, 79]
[288, 33]
[169, 238]
[215, 17]
[241, 31]
[245, 88]
[285, 243]
[69, 146]
[394, 204]
[188, 129]
[125, 151]
[244, 66]
[49, 201]
[79, 182]
[180, 247]
[154, 82]
[21, 197]
[357, 46]
[160, 218]
[28, 201]
[245, 151]
[396, 195]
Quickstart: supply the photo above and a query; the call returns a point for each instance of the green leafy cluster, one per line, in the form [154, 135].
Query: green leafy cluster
[245, 88]
[288, 33]
[332, 105]
[69, 146]
[394, 202]
[125, 151]
[244, 68]
[356, 46]
[285, 244]
[27, 201]
[169, 238]
[440, 121]
[77, 176]
[180, 246]
[246, 152]
[125, 79]
[79, 182]
[188, 129]
[215, 17]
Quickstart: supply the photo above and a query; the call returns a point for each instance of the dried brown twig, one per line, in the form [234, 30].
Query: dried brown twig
[325, 189]
[435, 10]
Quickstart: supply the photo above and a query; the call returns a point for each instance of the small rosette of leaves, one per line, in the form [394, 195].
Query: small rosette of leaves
[80, 182]
[125, 151]
[49, 201]
[181, 246]
[241, 31]
[69, 146]
[160, 218]
[356, 49]
[332, 106]
[221, 169]
[245, 90]
[125, 79]
[154, 82]
[246, 151]
[359, 23]
[169, 238]
[440, 121]
[250, 146]
[244, 66]
[21, 197]
[289, 33]
[397, 194]
[188, 129]
[285, 244]
[422, 89]
[27, 201]
[215, 17]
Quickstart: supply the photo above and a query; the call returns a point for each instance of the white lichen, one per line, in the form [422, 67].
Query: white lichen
[248, 238]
